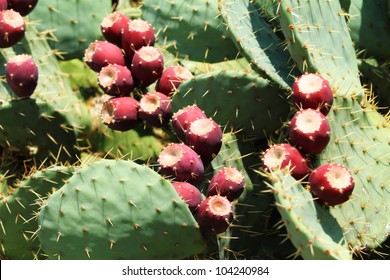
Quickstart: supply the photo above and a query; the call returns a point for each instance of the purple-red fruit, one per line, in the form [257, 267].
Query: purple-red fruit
[113, 26]
[181, 163]
[12, 28]
[182, 119]
[215, 214]
[228, 182]
[190, 194]
[147, 65]
[332, 184]
[205, 137]
[21, 74]
[312, 91]
[120, 113]
[309, 130]
[171, 79]
[24, 7]
[137, 34]
[101, 53]
[155, 109]
[115, 80]
[281, 156]
[3, 5]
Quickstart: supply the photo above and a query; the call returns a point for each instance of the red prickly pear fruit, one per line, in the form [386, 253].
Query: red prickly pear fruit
[147, 65]
[182, 119]
[116, 80]
[180, 162]
[312, 91]
[215, 214]
[137, 34]
[190, 194]
[12, 28]
[120, 113]
[204, 136]
[112, 26]
[24, 7]
[3, 5]
[332, 184]
[228, 182]
[101, 53]
[21, 74]
[281, 156]
[155, 109]
[171, 79]
[309, 130]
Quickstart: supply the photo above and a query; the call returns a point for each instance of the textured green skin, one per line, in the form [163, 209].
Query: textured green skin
[18, 211]
[116, 209]
[379, 77]
[360, 140]
[235, 99]
[136, 144]
[74, 23]
[239, 64]
[369, 27]
[192, 27]
[36, 130]
[257, 41]
[314, 233]
[251, 208]
[319, 41]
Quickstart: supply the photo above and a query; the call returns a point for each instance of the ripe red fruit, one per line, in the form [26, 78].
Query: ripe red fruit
[205, 137]
[147, 65]
[332, 183]
[116, 80]
[120, 113]
[3, 5]
[190, 194]
[312, 91]
[155, 109]
[24, 7]
[113, 26]
[181, 163]
[101, 53]
[182, 119]
[21, 74]
[228, 182]
[215, 214]
[281, 156]
[12, 28]
[171, 79]
[138, 33]
[310, 131]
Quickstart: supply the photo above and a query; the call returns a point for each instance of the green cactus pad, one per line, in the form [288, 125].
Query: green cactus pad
[116, 209]
[315, 234]
[192, 28]
[257, 41]
[360, 140]
[18, 212]
[36, 129]
[369, 27]
[318, 40]
[74, 24]
[237, 100]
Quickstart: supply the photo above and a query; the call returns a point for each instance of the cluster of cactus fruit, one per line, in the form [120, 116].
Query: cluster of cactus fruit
[193, 129]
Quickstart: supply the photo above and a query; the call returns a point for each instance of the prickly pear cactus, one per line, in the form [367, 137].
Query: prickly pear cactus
[116, 209]
[72, 24]
[235, 100]
[192, 29]
[18, 211]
